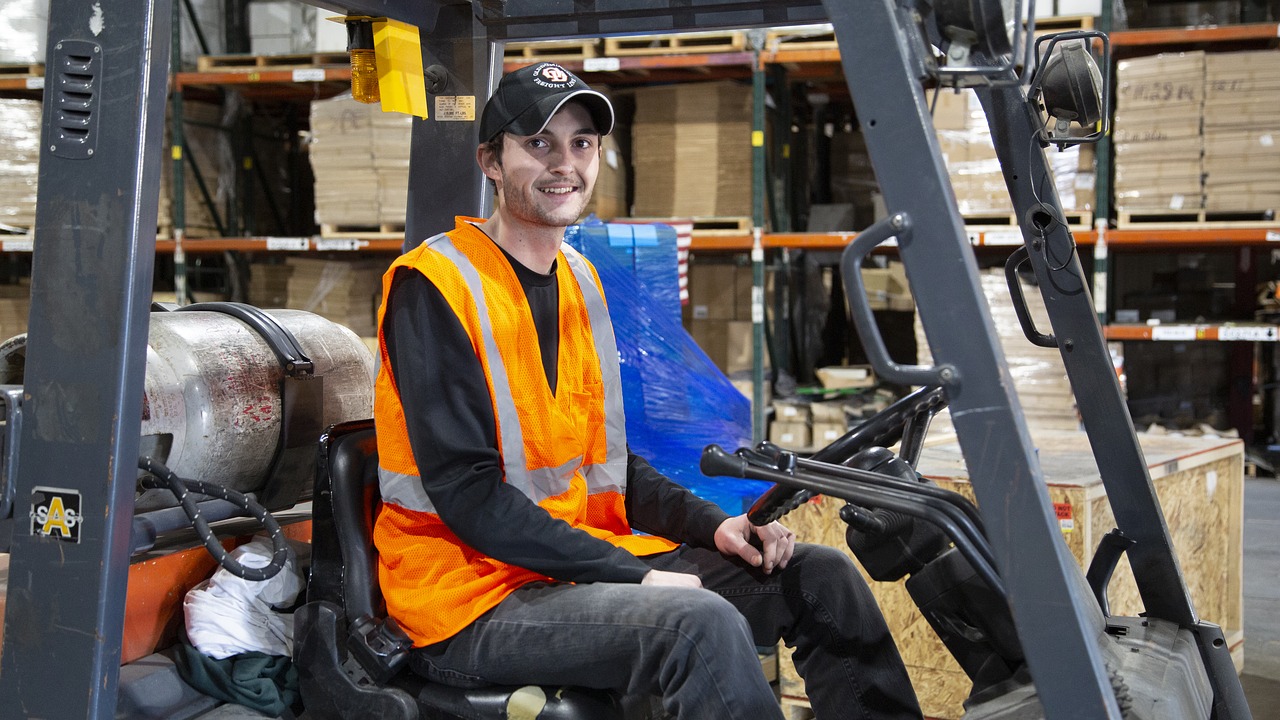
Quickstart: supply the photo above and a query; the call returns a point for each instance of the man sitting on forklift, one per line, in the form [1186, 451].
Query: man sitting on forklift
[507, 543]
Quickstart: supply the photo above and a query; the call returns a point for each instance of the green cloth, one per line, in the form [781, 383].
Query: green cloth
[266, 683]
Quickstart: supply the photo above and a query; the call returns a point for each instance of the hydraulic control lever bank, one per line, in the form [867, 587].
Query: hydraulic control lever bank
[99, 183]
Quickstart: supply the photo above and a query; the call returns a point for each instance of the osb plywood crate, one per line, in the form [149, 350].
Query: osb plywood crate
[1200, 483]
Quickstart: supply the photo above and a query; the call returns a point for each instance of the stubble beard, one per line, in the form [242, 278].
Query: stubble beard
[526, 208]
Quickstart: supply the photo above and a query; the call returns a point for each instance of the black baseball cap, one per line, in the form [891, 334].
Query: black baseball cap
[527, 98]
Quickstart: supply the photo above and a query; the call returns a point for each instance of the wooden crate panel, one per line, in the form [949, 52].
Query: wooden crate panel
[1200, 483]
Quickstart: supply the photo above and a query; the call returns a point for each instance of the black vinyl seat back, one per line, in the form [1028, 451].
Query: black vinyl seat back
[346, 502]
[352, 659]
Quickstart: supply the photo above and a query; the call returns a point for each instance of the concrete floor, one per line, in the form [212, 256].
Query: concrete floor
[1261, 677]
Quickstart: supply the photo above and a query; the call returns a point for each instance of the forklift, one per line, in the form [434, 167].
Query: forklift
[81, 396]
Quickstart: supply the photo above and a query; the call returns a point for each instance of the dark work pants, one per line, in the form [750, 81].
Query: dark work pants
[693, 648]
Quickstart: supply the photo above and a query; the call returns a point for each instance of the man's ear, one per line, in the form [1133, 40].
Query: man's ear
[489, 162]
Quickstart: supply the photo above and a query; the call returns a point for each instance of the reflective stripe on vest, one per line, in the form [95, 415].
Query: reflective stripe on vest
[539, 484]
[612, 474]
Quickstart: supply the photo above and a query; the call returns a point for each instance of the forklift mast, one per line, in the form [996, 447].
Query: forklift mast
[99, 184]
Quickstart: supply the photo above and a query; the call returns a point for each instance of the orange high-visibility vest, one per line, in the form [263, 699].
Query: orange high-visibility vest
[567, 451]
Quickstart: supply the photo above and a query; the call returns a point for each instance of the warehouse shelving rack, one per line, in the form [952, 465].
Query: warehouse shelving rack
[781, 64]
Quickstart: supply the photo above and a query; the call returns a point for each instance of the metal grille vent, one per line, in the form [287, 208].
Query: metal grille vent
[76, 72]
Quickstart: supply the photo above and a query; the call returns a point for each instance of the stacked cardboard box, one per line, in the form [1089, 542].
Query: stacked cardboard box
[609, 199]
[697, 150]
[1039, 376]
[1158, 144]
[15, 306]
[26, 25]
[360, 158]
[346, 292]
[976, 177]
[269, 284]
[719, 313]
[19, 165]
[1242, 131]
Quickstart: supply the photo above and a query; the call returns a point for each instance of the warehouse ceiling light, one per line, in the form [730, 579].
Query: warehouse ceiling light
[1067, 90]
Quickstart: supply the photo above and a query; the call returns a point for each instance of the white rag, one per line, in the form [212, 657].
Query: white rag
[227, 615]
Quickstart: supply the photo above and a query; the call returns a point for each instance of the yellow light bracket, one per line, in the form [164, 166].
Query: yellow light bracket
[386, 64]
[398, 50]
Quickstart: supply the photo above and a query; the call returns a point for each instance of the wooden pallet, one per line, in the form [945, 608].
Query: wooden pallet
[21, 69]
[1065, 23]
[380, 231]
[225, 63]
[1076, 220]
[555, 50]
[678, 44]
[805, 37]
[704, 226]
[1157, 219]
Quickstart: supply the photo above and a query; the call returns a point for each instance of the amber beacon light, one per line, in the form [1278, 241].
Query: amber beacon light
[364, 69]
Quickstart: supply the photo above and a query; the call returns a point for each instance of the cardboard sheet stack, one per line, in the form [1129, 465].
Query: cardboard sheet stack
[15, 306]
[1039, 377]
[19, 164]
[26, 25]
[969, 153]
[269, 284]
[360, 159]
[697, 150]
[1158, 145]
[346, 292]
[1242, 131]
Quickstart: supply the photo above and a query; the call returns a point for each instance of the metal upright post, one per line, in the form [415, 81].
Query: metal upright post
[461, 75]
[95, 232]
[758, 175]
[1057, 619]
[177, 175]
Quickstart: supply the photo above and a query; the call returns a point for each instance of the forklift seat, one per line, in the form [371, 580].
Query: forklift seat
[351, 657]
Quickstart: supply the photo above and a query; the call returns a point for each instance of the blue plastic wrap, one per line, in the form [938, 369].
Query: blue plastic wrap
[677, 401]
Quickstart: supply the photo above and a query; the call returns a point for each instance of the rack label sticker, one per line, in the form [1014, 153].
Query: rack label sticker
[1273, 236]
[341, 244]
[456, 108]
[602, 64]
[17, 245]
[308, 75]
[1066, 520]
[1251, 334]
[55, 512]
[35, 83]
[288, 243]
[1002, 237]
[1173, 332]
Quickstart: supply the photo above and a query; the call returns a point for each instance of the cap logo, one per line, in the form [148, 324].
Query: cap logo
[553, 76]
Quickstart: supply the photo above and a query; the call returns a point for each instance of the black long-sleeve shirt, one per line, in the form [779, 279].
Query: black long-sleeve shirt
[452, 432]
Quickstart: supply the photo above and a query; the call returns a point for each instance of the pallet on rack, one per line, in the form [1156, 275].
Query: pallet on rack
[555, 50]
[1076, 220]
[231, 63]
[703, 226]
[1064, 23]
[802, 37]
[1158, 219]
[21, 70]
[680, 43]
[355, 231]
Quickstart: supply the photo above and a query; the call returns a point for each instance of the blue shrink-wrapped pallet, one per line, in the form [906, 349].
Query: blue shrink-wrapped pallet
[677, 401]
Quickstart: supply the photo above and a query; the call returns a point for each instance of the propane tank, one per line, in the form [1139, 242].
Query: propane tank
[219, 404]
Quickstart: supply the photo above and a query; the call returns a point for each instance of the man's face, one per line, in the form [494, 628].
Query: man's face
[546, 179]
